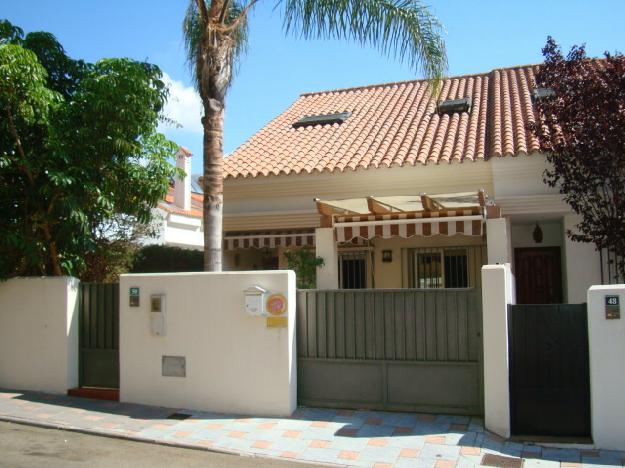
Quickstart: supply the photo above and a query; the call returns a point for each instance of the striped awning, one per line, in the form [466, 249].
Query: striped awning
[269, 239]
[467, 222]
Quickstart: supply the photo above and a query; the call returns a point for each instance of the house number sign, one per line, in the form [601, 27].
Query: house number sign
[612, 308]
[133, 297]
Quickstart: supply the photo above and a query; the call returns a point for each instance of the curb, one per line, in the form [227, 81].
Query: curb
[148, 440]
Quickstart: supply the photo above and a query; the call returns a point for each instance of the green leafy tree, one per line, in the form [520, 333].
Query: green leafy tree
[81, 164]
[216, 35]
[304, 263]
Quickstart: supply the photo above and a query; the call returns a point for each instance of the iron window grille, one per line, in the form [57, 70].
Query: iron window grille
[353, 269]
[447, 267]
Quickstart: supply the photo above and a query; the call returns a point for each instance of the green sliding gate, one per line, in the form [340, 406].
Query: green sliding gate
[407, 349]
[99, 335]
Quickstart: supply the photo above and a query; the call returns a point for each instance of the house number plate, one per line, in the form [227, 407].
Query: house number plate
[612, 308]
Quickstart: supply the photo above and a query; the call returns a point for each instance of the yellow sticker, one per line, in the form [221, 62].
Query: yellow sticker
[277, 322]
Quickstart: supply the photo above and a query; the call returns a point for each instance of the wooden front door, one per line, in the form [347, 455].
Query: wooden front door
[538, 275]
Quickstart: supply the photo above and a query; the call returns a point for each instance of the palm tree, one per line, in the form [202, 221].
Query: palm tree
[215, 34]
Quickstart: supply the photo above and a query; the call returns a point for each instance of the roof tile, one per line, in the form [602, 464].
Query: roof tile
[396, 124]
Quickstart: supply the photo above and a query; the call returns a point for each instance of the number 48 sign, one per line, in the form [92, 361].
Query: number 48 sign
[612, 308]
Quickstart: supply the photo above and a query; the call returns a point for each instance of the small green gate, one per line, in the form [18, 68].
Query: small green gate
[99, 335]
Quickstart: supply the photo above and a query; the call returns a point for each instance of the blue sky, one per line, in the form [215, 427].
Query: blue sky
[481, 35]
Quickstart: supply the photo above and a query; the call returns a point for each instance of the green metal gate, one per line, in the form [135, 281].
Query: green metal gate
[406, 349]
[99, 335]
[549, 370]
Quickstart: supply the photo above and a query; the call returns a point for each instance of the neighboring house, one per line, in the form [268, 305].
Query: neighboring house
[394, 191]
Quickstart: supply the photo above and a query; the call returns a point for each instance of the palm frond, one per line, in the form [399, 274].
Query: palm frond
[192, 33]
[232, 40]
[404, 29]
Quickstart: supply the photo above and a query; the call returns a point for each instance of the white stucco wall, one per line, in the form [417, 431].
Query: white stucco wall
[498, 241]
[328, 274]
[39, 334]
[234, 362]
[581, 262]
[606, 339]
[497, 293]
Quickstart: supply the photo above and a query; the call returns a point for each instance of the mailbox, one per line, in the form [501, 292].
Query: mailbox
[255, 300]
[157, 314]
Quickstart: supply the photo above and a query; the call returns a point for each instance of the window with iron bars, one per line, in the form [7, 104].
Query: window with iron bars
[353, 269]
[447, 267]
[609, 270]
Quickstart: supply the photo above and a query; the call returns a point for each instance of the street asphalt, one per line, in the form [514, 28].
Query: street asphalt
[32, 447]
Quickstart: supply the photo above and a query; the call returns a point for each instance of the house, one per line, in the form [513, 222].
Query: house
[396, 190]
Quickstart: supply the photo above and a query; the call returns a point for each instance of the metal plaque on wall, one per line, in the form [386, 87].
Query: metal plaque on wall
[174, 366]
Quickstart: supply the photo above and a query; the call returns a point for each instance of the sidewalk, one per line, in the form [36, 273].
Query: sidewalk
[338, 437]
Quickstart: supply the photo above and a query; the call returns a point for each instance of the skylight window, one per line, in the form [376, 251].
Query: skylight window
[542, 93]
[322, 119]
[451, 106]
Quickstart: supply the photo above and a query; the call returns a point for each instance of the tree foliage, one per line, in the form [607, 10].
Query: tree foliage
[304, 263]
[81, 164]
[581, 129]
[164, 258]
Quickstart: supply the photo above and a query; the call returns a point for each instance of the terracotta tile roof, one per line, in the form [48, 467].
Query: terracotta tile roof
[396, 124]
[196, 205]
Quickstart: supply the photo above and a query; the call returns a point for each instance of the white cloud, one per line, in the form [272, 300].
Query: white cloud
[184, 106]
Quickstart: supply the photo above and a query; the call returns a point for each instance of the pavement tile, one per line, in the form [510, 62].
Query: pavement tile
[374, 421]
[320, 455]
[380, 454]
[562, 455]
[415, 463]
[458, 427]
[289, 445]
[319, 443]
[262, 444]
[347, 432]
[378, 442]
[320, 424]
[401, 430]
[537, 463]
[289, 454]
[292, 434]
[435, 439]
[447, 452]
[445, 464]
[409, 453]
[318, 433]
[237, 434]
[590, 453]
[470, 451]
[348, 455]
[375, 431]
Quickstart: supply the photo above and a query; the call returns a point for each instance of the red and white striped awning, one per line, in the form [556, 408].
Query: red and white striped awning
[448, 223]
[270, 239]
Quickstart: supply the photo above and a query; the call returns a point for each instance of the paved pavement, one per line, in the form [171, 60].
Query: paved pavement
[339, 437]
[28, 446]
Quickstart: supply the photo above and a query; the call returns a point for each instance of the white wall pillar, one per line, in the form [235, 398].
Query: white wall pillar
[606, 340]
[582, 263]
[498, 239]
[39, 334]
[497, 293]
[328, 274]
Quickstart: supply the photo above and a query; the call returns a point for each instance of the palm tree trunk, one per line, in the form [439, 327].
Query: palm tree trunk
[213, 183]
